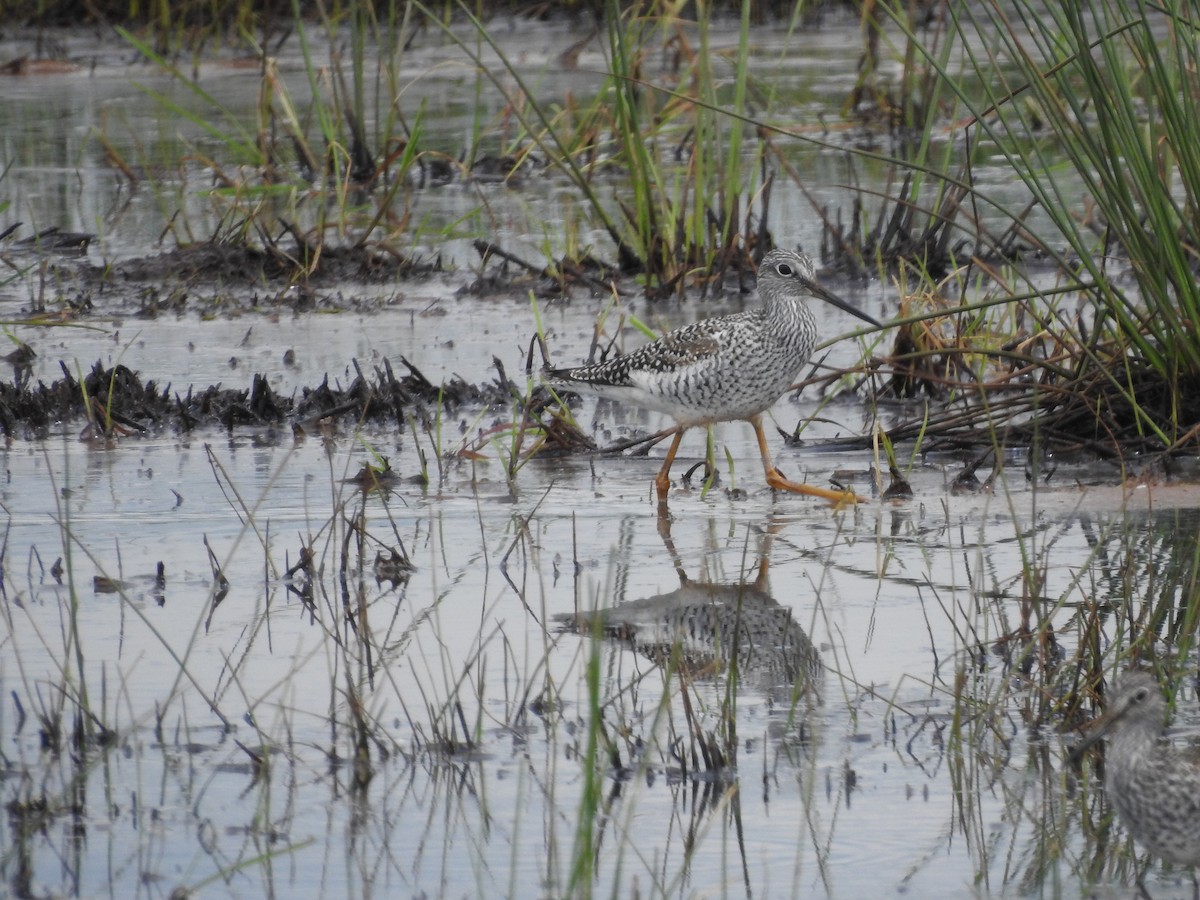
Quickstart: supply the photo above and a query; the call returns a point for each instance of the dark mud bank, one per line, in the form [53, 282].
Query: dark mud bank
[119, 400]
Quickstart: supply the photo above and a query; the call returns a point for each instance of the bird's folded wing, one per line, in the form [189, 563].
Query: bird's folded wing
[675, 350]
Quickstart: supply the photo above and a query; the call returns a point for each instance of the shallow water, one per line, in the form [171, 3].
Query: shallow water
[221, 754]
[895, 598]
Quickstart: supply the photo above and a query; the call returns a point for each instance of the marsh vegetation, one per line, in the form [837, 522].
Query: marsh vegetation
[310, 586]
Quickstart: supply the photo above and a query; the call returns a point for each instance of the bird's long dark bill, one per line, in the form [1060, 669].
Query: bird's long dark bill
[817, 291]
[1099, 728]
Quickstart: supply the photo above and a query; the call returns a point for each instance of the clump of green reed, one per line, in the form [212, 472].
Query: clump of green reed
[924, 216]
[911, 102]
[297, 180]
[1092, 107]
[693, 200]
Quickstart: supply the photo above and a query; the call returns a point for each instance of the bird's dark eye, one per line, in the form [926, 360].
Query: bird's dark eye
[1140, 695]
[784, 269]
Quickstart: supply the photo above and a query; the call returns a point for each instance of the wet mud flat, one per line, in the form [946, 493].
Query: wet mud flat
[198, 288]
[118, 400]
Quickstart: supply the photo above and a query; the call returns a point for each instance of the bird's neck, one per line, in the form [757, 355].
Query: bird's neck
[1134, 744]
[785, 309]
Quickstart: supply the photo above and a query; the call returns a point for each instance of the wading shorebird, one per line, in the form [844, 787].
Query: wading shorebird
[1154, 786]
[725, 368]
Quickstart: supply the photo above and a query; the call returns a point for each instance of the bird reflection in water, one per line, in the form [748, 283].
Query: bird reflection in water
[703, 628]
[704, 632]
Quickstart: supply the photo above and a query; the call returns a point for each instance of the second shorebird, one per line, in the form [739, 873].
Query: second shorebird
[1154, 786]
[724, 368]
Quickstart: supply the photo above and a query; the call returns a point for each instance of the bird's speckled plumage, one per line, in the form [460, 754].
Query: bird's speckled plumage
[709, 625]
[1154, 786]
[723, 368]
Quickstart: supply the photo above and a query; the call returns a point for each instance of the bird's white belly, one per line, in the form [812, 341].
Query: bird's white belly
[700, 397]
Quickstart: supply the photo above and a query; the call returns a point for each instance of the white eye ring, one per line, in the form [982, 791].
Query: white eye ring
[784, 269]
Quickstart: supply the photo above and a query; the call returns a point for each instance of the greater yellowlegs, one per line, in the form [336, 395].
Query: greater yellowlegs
[724, 368]
[1154, 786]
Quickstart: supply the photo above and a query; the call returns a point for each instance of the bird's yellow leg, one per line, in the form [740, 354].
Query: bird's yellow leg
[776, 479]
[663, 481]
